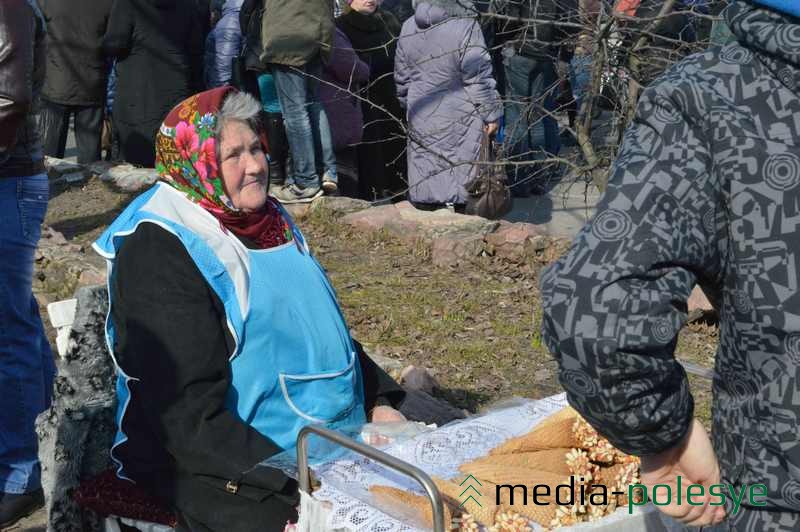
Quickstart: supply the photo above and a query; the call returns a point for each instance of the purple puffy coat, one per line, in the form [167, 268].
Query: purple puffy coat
[343, 75]
[444, 80]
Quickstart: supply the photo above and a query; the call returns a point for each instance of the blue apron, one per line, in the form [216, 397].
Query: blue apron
[295, 363]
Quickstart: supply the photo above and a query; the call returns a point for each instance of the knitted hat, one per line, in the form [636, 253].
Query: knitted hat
[790, 7]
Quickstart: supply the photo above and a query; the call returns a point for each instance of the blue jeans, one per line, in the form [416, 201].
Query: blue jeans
[306, 123]
[580, 78]
[530, 132]
[26, 362]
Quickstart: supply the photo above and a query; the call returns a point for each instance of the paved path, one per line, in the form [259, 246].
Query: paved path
[562, 212]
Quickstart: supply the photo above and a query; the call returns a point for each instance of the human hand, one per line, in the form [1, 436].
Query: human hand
[491, 128]
[386, 414]
[693, 459]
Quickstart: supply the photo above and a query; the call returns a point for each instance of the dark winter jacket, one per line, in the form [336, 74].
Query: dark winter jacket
[171, 332]
[401, 9]
[222, 45]
[374, 37]
[705, 190]
[250, 24]
[77, 70]
[22, 72]
[295, 32]
[158, 45]
[531, 39]
[342, 78]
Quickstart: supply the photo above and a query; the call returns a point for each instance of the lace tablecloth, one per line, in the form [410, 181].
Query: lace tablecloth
[345, 482]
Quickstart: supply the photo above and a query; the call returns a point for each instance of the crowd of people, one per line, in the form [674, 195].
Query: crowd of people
[348, 88]
[225, 331]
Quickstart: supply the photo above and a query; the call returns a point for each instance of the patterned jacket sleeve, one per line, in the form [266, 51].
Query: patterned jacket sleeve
[614, 303]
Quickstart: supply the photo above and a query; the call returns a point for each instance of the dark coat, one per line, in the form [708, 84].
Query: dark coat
[401, 9]
[705, 189]
[250, 25]
[158, 45]
[381, 164]
[531, 39]
[343, 75]
[77, 70]
[22, 71]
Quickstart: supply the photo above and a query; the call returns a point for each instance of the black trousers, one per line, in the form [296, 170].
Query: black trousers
[54, 124]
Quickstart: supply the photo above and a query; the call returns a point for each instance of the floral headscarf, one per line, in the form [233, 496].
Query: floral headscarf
[186, 159]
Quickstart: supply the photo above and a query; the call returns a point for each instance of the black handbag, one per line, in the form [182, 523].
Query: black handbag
[489, 194]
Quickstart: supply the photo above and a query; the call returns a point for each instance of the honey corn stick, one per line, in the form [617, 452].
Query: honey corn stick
[483, 511]
[409, 505]
[552, 460]
[552, 433]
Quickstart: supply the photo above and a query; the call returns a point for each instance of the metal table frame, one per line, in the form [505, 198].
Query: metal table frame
[304, 473]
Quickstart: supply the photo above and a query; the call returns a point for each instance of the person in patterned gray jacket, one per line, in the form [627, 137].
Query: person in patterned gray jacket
[705, 190]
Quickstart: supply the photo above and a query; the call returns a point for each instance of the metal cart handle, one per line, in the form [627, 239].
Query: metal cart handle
[414, 472]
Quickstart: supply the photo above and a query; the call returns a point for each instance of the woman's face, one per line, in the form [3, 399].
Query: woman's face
[243, 165]
[365, 6]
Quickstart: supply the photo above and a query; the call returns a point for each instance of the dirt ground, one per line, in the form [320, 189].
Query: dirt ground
[475, 327]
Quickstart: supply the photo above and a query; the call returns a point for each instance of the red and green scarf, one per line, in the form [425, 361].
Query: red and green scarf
[186, 160]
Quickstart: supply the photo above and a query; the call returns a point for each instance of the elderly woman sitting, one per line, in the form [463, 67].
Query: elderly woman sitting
[225, 331]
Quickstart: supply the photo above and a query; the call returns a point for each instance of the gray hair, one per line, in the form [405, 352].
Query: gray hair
[240, 107]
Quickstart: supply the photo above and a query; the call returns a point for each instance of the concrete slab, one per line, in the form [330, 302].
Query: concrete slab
[560, 213]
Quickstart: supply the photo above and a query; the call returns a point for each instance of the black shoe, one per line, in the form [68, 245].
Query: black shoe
[15, 506]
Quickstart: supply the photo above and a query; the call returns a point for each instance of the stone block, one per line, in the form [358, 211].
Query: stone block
[373, 219]
[130, 178]
[456, 248]
[340, 205]
[297, 210]
[58, 168]
[515, 241]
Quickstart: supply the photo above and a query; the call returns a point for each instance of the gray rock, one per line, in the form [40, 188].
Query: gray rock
[130, 178]
[57, 168]
[405, 221]
[76, 433]
[456, 248]
[297, 210]
[515, 241]
[99, 168]
[75, 177]
[339, 205]
[62, 267]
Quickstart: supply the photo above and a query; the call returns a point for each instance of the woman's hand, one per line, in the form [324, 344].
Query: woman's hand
[491, 128]
[386, 414]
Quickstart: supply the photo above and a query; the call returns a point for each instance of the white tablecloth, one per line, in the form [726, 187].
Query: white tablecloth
[345, 482]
